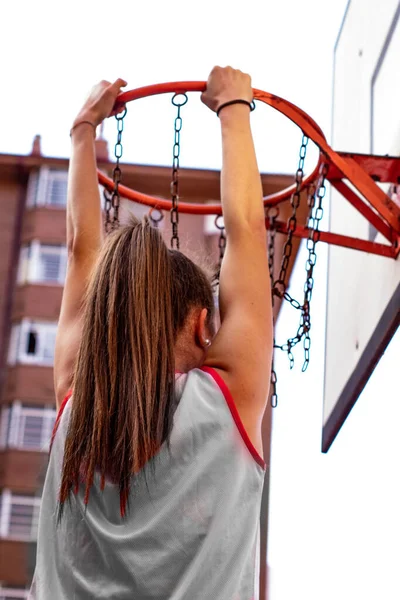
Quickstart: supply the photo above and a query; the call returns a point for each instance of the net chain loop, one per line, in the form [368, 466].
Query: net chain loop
[315, 194]
[156, 215]
[219, 224]
[280, 285]
[178, 100]
[272, 214]
[112, 202]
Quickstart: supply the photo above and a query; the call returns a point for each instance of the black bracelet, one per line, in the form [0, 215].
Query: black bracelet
[251, 105]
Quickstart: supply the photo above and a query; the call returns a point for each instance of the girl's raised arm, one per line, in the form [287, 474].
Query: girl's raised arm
[84, 228]
[242, 349]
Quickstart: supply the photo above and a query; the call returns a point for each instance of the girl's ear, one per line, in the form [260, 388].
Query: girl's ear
[202, 333]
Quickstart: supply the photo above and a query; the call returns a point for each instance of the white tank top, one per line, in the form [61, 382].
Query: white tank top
[192, 535]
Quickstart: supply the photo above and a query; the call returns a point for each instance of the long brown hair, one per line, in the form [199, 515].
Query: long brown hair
[123, 403]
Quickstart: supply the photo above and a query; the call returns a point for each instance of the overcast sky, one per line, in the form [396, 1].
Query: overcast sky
[326, 511]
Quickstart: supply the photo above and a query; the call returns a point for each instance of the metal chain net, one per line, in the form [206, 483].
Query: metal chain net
[315, 195]
[178, 100]
[112, 200]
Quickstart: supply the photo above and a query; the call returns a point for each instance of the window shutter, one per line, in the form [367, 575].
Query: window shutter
[48, 342]
[4, 426]
[23, 518]
[23, 267]
[57, 188]
[14, 344]
[42, 187]
[5, 509]
[34, 262]
[45, 263]
[50, 264]
[32, 190]
[31, 427]
[15, 422]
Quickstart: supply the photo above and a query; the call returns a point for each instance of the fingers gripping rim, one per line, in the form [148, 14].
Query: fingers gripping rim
[295, 114]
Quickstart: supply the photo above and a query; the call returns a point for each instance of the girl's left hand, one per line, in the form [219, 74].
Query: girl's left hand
[100, 102]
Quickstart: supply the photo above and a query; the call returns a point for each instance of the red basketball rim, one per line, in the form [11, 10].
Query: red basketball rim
[293, 112]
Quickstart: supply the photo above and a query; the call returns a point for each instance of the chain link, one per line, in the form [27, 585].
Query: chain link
[174, 214]
[272, 215]
[112, 201]
[107, 210]
[156, 215]
[315, 194]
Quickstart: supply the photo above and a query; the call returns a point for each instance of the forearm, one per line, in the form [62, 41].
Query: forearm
[241, 190]
[84, 218]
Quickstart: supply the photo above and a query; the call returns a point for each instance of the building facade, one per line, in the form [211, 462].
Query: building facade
[33, 260]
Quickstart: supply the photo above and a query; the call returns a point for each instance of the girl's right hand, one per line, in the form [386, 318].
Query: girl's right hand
[226, 84]
[100, 102]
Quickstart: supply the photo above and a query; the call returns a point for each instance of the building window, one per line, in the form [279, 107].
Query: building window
[19, 516]
[40, 263]
[47, 187]
[57, 189]
[26, 428]
[32, 342]
[7, 593]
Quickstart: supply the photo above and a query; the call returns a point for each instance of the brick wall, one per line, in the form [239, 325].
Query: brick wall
[11, 200]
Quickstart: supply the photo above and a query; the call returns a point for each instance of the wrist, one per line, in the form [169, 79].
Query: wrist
[235, 113]
[225, 105]
[83, 125]
[83, 130]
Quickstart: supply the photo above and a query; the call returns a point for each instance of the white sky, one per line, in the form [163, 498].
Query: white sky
[57, 51]
[332, 517]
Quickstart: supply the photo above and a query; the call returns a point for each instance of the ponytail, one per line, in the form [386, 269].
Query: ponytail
[122, 407]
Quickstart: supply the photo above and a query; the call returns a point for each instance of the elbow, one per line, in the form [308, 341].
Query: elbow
[247, 226]
[74, 248]
[257, 226]
[82, 246]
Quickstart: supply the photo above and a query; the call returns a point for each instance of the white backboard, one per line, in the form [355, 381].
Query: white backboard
[363, 289]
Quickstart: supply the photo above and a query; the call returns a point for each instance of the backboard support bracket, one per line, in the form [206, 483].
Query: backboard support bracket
[376, 206]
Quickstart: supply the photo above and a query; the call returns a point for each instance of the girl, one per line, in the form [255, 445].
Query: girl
[155, 476]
